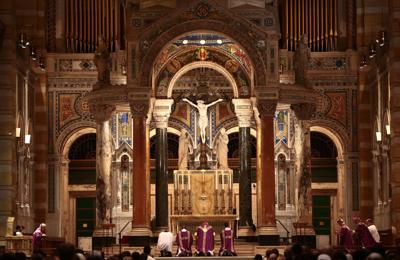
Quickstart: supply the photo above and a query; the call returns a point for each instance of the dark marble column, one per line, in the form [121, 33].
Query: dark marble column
[244, 113]
[161, 178]
[161, 113]
[245, 209]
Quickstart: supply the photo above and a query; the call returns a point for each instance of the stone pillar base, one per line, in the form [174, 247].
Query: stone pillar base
[247, 233]
[139, 236]
[102, 238]
[268, 236]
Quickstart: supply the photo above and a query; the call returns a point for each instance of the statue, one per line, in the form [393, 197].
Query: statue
[102, 60]
[203, 117]
[222, 149]
[184, 149]
[301, 60]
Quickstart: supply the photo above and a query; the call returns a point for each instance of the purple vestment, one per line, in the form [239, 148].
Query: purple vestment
[346, 237]
[184, 240]
[37, 239]
[205, 239]
[227, 242]
[363, 234]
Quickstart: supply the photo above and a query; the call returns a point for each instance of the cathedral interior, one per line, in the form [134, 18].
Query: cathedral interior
[131, 116]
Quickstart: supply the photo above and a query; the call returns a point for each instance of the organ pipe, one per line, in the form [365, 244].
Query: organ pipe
[87, 20]
[317, 18]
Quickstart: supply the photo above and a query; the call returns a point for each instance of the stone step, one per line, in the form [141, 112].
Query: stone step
[242, 248]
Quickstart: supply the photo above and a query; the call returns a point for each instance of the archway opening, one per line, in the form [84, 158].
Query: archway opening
[323, 158]
[82, 160]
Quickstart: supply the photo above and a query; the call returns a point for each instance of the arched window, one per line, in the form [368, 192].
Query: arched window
[323, 158]
[82, 156]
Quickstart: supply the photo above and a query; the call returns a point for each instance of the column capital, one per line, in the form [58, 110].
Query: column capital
[101, 112]
[266, 107]
[304, 111]
[139, 108]
[162, 111]
[244, 111]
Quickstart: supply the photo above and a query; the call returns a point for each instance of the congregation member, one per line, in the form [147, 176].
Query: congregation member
[184, 240]
[38, 235]
[363, 235]
[345, 235]
[227, 238]
[205, 240]
[164, 244]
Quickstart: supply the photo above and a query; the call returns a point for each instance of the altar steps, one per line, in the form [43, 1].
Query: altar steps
[242, 248]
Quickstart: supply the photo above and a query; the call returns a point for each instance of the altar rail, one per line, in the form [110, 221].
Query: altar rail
[24, 244]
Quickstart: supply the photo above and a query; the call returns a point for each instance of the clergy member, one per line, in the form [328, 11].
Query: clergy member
[345, 235]
[363, 235]
[205, 239]
[37, 237]
[184, 240]
[227, 241]
[164, 243]
[374, 231]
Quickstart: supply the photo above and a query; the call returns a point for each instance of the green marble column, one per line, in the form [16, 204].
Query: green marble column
[161, 165]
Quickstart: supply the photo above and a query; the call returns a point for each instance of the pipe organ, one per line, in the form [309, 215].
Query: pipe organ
[86, 20]
[316, 18]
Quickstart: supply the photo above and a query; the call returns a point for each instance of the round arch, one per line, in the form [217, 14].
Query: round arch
[233, 29]
[332, 135]
[203, 64]
[73, 137]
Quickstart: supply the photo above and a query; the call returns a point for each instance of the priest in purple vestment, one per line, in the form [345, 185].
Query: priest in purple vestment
[205, 239]
[345, 235]
[184, 240]
[37, 237]
[363, 235]
[227, 238]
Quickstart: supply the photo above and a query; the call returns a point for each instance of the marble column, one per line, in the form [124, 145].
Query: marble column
[267, 230]
[140, 233]
[161, 113]
[102, 114]
[304, 112]
[244, 113]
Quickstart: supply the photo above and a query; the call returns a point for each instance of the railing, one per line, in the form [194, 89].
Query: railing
[119, 235]
[285, 228]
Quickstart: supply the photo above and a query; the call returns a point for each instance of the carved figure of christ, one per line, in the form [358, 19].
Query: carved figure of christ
[203, 117]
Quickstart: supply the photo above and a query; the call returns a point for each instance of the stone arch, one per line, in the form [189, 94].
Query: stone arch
[64, 142]
[174, 27]
[203, 64]
[335, 137]
[336, 133]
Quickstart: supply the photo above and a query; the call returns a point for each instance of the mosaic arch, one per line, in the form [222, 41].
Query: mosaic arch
[213, 50]
[203, 64]
[217, 18]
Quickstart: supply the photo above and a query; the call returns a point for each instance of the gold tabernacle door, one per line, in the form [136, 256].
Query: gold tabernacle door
[202, 195]
[203, 192]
